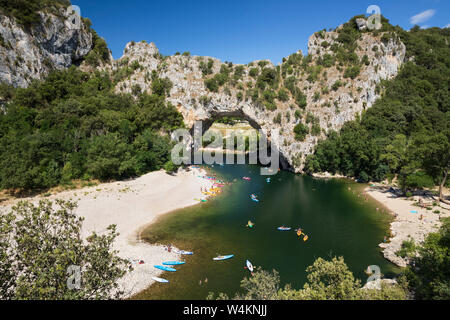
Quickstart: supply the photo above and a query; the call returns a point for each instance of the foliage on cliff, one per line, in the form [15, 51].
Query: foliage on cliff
[406, 132]
[26, 11]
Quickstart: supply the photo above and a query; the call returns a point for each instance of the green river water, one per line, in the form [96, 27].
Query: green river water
[337, 221]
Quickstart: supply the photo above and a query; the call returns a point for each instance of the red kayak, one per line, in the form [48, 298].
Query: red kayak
[246, 178]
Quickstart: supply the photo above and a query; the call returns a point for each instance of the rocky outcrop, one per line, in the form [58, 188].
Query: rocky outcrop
[30, 53]
[332, 105]
[378, 283]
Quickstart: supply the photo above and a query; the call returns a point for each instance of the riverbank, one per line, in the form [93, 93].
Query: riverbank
[411, 221]
[131, 206]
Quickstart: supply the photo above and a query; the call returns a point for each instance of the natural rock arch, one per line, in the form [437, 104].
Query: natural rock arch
[329, 104]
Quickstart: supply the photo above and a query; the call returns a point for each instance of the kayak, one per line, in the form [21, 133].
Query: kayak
[249, 266]
[268, 180]
[247, 178]
[164, 268]
[254, 199]
[173, 263]
[305, 238]
[284, 228]
[250, 224]
[183, 252]
[220, 258]
[160, 280]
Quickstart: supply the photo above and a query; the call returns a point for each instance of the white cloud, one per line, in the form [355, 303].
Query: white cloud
[422, 17]
[447, 26]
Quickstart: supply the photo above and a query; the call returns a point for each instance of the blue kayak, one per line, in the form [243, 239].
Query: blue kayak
[253, 197]
[173, 263]
[220, 258]
[165, 268]
[284, 228]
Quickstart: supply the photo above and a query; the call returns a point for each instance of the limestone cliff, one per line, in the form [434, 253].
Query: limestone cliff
[333, 97]
[28, 53]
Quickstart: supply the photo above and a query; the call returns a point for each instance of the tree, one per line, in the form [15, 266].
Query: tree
[330, 280]
[429, 270]
[262, 285]
[326, 280]
[38, 245]
[435, 153]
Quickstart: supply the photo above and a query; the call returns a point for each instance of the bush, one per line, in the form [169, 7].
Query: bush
[352, 72]
[300, 131]
[300, 99]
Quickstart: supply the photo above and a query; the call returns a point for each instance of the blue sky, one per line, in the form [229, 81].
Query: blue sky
[241, 30]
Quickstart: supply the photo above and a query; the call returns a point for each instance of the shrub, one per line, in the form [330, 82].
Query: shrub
[300, 131]
[300, 99]
[283, 95]
[352, 72]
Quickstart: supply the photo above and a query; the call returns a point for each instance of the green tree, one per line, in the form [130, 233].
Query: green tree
[429, 270]
[326, 280]
[40, 242]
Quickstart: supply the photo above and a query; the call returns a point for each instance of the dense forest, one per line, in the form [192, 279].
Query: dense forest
[73, 126]
[405, 134]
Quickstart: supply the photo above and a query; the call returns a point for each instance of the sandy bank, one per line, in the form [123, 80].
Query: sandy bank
[131, 205]
[407, 225]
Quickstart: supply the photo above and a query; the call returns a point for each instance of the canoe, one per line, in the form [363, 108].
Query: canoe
[220, 258]
[183, 252]
[173, 263]
[161, 280]
[164, 268]
[249, 266]
[284, 228]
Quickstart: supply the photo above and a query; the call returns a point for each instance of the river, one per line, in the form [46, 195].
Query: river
[336, 220]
